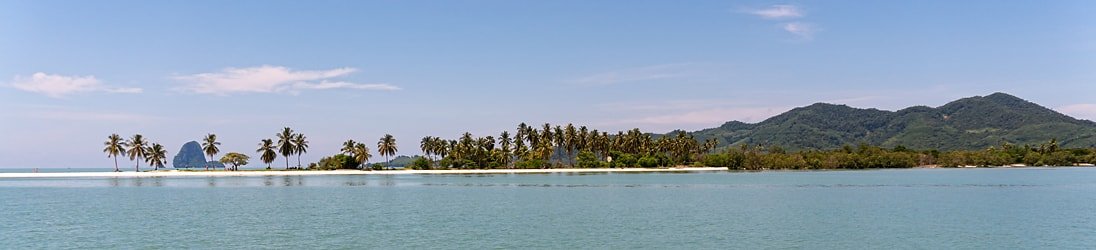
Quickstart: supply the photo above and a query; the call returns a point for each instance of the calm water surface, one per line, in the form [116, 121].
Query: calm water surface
[1051, 208]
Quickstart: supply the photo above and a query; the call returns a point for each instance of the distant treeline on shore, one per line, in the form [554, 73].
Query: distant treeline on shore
[569, 146]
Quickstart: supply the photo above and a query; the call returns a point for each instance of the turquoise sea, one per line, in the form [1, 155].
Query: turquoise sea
[1028, 208]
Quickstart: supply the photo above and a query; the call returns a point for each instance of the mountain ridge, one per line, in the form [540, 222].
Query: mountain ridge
[968, 123]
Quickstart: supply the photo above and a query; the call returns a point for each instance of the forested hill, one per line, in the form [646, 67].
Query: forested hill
[969, 123]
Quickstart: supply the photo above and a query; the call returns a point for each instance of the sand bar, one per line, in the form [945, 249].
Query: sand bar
[172, 173]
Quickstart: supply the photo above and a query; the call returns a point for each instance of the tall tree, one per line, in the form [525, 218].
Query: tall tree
[427, 145]
[114, 147]
[570, 141]
[387, 147]
[348, 147]
[157, 156]
[235, 159]
[361, 154]
[504, 145]
[285, 144]
[137, 150]
[266, 152]
[209, 146]
[300, 146]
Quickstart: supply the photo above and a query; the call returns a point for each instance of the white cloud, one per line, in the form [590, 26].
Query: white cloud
[800, 29]
[272, 79]
[58, 86]
[640, 74]
[347, 85]
[781, 11]
[1081, 111]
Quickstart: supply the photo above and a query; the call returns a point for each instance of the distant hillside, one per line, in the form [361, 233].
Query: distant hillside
[969, 123]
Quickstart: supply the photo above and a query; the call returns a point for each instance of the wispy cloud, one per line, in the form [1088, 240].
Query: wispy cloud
[58, 86]
[800, 29]
[640, 74]
[272, 79]
[780, 11]
[1081, 111]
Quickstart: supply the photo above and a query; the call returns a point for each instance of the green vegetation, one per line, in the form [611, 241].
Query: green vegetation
[564, 146]
[266, 151]
[339, 161]
[209, 146]
[235, 159]
[973, 123]
[157, 156]
[114, 147]
[386, 146]
[996, 130]
[300, 146]
[865, 156]
[137, 150]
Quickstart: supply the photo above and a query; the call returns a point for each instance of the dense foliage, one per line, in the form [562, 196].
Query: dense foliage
[864, 156]
[564, 146]
[339, 161]
[973, 123]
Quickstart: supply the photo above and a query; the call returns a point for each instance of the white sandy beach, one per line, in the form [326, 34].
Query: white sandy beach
[172, 173]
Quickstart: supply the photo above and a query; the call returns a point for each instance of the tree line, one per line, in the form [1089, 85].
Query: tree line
[560, 146]
[556, 146]
[865, 156]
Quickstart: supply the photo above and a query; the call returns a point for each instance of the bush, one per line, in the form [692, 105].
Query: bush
[531, 164]
[648, 162]
[339, 161]
[624, 161]
[377, 166]
[586, 159]
[420, 163]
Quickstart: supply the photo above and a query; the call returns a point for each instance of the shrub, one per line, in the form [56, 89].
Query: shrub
[339, 161]
[420, 163]
[648, 162]
[586, 159]
[531, 164]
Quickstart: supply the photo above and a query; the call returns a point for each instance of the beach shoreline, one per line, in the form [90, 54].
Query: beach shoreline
[244, 173]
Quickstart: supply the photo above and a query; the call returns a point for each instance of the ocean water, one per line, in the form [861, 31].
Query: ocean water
[1029, 208]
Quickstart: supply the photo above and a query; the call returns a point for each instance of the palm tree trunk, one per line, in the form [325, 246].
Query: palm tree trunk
[286, 162]
[137, 168]
[298, 161]
[116, 163]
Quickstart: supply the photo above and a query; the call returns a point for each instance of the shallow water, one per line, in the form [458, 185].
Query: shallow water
[914, 208]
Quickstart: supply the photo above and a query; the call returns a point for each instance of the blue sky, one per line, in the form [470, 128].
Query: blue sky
[73, 72]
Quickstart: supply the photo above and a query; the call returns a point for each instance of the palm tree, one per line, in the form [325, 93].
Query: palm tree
[504, 145]
[114, 147]
[209, 146]
[157, 156]
[266, 152]
[570, 141]
[348, 147]
[137, 150]
[361, 153]
[300, 146]
[425, 145]
[285, 144]
[387, 147]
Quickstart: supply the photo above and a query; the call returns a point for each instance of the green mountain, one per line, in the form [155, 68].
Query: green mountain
[969, 123]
